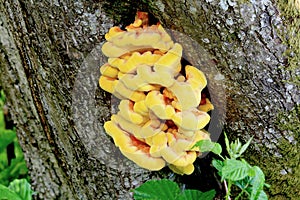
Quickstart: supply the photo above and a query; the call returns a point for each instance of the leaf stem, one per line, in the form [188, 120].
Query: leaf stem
[240, 194]
[221, 156]
[227, 189]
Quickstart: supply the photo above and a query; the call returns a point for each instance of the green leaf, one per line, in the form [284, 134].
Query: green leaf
[245, 146]
[235, 148]
[7, 194]
[2, 124]
[244, 183]
[236, 145]
[234, 170]
[227, 143]
[22, 188]
[218, 164]
[3, 160]
[207, 145]
[251, 172]
[2, 96]
[257, 183]
[196, 194]
[262, 196]
[17, 149]
[17, 167]
[6, 137]
[157, 190]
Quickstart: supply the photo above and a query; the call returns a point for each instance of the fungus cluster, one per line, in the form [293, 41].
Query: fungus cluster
[162, 112]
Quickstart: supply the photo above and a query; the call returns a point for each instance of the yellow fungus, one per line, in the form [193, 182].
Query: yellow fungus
[161, 113]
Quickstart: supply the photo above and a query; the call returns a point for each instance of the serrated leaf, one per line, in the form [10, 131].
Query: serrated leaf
[234, 170]
[157, 190]
[207, 145]
[262, 196]
[257, 183]
[235, 145]
[227, 143]
[244, 183]
[22, 188]
[235, 148]
[251, 172]
[7, 194]
[196, 194]
[245, 146]
[218, 164]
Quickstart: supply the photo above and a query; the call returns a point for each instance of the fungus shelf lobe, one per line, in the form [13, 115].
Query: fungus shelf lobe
[161, 113]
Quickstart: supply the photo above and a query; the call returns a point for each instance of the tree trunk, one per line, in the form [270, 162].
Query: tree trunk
[50, 58]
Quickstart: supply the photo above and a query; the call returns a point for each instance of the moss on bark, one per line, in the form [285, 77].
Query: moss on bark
[286, 169]
[290, 12]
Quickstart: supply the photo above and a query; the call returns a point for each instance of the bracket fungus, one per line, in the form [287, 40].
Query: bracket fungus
[161, 113]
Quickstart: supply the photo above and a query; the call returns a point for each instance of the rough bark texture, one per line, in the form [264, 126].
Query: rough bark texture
[244, 39]
[49, 68]
[43, 46]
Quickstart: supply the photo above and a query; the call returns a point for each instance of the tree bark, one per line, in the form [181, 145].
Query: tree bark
[50, 58]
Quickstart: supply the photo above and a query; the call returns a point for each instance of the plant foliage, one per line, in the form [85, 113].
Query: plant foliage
[166, 189]
[22, 188]
[232, 170]
[8, 194]
[19, 189]
[12, 168]
[235, 171]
